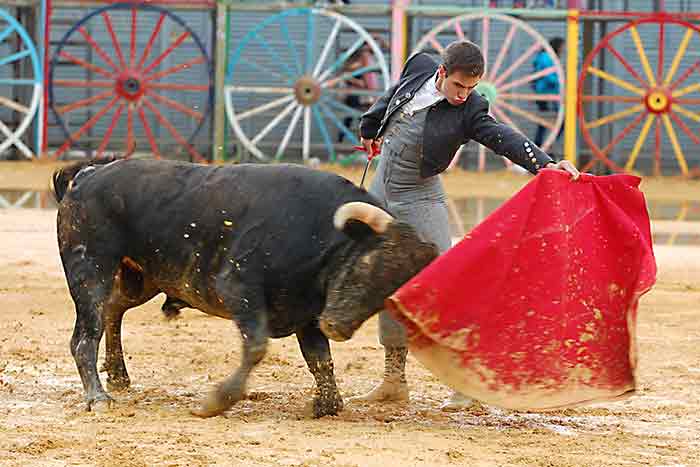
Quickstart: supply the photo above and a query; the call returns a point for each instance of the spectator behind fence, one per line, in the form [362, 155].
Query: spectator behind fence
[548, 84]
[367, 81]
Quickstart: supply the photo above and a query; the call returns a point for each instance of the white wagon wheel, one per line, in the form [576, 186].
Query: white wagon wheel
[11, 130]
[508, 78]
[298, 84]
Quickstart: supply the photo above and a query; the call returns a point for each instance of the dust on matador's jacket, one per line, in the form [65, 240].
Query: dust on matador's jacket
[447, 127]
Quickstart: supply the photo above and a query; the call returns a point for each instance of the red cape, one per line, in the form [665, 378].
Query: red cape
[536, 308]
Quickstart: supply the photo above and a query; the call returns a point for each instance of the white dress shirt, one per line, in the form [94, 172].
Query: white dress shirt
[427, 95]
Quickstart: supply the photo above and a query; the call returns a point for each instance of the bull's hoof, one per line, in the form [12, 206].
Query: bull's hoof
[322, 406]
[211, 407]
[121, 383]
[387, 391]
[101, 404]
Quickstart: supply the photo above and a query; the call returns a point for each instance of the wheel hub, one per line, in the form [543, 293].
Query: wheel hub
[307, 90]
[130, 86]
[657, 100]
[488, 90]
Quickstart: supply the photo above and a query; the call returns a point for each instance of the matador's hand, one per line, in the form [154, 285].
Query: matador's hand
[566, 166]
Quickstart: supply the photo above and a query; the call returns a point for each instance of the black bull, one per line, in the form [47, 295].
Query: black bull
[252, 243]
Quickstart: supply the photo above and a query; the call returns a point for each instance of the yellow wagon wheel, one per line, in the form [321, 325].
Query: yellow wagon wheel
[654, 97]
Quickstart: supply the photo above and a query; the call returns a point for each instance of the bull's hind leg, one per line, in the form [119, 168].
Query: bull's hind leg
[317, 353]
[248, 311]
[90, 283]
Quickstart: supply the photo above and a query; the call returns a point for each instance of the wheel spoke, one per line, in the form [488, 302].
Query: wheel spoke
[16, 82]
[626, 65]
[642, 55]
[685, 128]
[436, 45]
[529, 115]
[683, 111]
[86, 126]
[258, 90]
[354, 74]
[685, 75]
[113, 36]
[342, 107]
[6, 32]
[344, 56]
[639, 143]
[338, 124]
[130, 140]
[528, 78]
[274, 122]
[16, 106]
[686, 90]
[175, 105]
[614, 79]
[459, 31]
[84, 102]
[149, 133]
[175, 69]
[110, 129]
[326, 48]
[14, 57]
[674, 144]
[306, 141]
[15, 140]
[88, 38]
[633, 124]
[284, 29]
[324, 132]
[76, 83]
[608, 98]
[485, 26]
[132, 42]
[502, 52]
[151, 41]
[616, 116]
[310, 43]
[179, 87]
[172, 130]
[530, 97]
[86, 65]
[181, 38]
[519, 61]
[288, 134]
[679, 56]
[270, 105]
[660, 61]
[657, 146]
[276, 58]
[256, 67]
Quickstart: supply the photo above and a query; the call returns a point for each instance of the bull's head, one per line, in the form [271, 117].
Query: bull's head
[384, 255]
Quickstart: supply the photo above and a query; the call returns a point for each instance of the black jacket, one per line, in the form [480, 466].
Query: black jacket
[447, 127]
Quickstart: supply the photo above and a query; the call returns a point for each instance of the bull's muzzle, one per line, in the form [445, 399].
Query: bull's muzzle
[333, 331]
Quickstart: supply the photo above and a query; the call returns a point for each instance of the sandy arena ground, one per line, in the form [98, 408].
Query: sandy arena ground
[43, 421]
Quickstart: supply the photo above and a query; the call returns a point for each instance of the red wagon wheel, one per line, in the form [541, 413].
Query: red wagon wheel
[663, 96]
[132, 80]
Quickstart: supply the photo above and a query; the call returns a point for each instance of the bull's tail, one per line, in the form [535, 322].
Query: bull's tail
[62, 178]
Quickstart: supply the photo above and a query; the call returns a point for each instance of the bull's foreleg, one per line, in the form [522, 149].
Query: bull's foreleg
[317, 353]
[249, 312]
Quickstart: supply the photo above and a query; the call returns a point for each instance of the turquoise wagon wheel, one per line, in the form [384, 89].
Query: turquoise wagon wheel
[303, 93]
[154, 82]
[508, 76]
[19, 96]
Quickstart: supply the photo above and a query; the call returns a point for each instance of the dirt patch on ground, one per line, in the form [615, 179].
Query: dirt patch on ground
[173, 364]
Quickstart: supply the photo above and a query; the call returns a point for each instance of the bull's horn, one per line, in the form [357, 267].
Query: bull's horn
[377, 219]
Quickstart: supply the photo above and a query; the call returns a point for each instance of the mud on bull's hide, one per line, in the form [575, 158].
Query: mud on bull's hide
[314, 253]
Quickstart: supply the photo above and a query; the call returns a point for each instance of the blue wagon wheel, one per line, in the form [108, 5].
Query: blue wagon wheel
[508, 75]
[325, 83]
[131, 82]
[15, 41]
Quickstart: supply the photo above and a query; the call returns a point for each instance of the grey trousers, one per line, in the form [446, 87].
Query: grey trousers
[420, 202]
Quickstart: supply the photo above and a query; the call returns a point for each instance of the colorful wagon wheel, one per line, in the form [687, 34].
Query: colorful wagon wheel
[652, 94]
[154, 85]
[314, 72]
[19, 94]
[509, 47]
